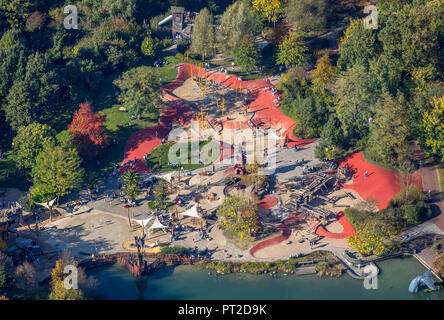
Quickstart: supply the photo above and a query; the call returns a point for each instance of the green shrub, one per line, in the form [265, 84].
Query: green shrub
[417, 213]
[148, 47]
[182, 45]
[180, 251]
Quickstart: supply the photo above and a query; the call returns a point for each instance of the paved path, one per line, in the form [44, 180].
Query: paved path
[430, 181]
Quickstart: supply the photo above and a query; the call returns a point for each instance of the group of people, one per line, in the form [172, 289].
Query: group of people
[131, 163]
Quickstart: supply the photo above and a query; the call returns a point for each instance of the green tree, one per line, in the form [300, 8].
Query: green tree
[357, 46]
[332, 132]
[12, 59]
[130, 186]
[148, 47]
[203, 38]
[432, 131]
[411, 52]
[30, 141]
[38, 97]
[292, 51]
[238, 21]
[160, 194]
[247, 54]
[309, 109]
[140, 91]
[389, 130]
[307, 15]
[356, 95]
[56, 172]
[16, 11]
[239, 215]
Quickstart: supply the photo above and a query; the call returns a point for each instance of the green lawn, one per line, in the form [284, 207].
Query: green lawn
[106, 103]
[160, 155]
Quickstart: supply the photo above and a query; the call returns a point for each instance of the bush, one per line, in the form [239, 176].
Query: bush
[417, 213]
[183, 45]
[409, 195]
[180, 251]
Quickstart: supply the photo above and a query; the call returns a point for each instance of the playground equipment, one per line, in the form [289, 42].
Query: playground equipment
[426, 279]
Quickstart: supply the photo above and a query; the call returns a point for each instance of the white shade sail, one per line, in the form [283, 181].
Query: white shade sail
[191, 212]
[48, 204]
[144, 223]
[157, 225]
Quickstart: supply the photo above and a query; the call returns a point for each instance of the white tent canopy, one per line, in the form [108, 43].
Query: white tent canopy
[48, 204]
[157, 225]
[191, 212]
[143, 223]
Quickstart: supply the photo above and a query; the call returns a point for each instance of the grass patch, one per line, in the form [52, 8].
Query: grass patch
[169, 205]
[441, 180]
[180, 251]
[160, 156]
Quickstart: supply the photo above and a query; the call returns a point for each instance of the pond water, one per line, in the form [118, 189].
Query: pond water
[188, 282]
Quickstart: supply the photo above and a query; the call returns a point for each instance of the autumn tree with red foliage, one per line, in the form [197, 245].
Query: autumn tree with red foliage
[88, 130]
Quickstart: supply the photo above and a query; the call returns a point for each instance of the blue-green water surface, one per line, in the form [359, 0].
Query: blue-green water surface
[188, 282]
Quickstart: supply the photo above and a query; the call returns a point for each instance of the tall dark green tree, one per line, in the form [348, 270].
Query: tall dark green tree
[247, 54]
[358, 45]
[356, 94]
[12, 59]
[38, 96]
[389, 131]
[140, 91]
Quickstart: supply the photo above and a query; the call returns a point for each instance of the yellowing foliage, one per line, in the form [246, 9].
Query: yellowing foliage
[433, 127]
[354, 23]
[268, 8]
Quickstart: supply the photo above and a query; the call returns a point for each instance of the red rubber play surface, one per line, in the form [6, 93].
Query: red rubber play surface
[268, 202]
[262, 102]
[347, 231]
[286, 232]
[380, 184]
